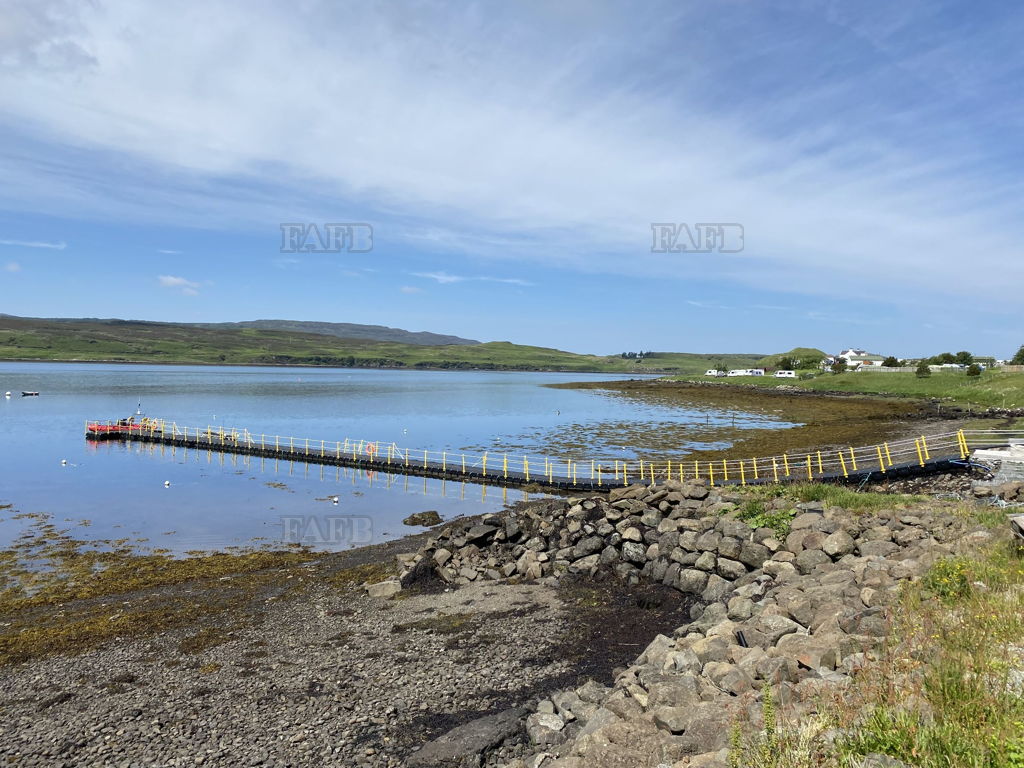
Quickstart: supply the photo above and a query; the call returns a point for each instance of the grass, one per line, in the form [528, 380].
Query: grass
[993, 389]
[947, 690]
[832, 496]
[132, 341]
[756, 513]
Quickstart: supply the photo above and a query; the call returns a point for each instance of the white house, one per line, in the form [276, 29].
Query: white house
[856, 359]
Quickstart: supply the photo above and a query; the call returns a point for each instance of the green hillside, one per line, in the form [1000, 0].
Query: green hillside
[23, 338]
[797, 354]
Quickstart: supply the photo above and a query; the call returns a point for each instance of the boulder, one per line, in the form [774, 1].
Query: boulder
[384, 589]
[464, 744]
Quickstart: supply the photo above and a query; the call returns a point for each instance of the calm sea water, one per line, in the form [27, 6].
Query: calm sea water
[114, 490]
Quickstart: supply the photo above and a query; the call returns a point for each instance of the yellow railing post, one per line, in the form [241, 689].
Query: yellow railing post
[696, 470]
[526, 468]
[920, 456]
[484, 464]
[599, 475]
[743, 475]
[810, 475]
[424, 459]
[888, 456]
[821, 467]
[711, 473]
[881, 459]
[625, 478]
[924, 447]
[775, 469]
[725, 471]
[853, 459]
[444, 461]
[842, 462]
[504, 466]
[785, 463]
[756, 477]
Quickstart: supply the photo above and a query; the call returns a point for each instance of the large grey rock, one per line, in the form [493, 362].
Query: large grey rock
[692, 581]
[461, 747]
[838, 544]
[384, 589]
[633, 552]
[545, 729]
[876, 548]
[587, 546]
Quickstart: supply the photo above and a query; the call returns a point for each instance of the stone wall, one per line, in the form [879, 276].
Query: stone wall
[799, 612]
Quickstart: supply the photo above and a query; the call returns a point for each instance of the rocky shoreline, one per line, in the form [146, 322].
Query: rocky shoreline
[800, 613]
[636, 628]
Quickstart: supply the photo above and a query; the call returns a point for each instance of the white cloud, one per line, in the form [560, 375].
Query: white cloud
[12, 266]
[410, 289]
[169, 252]
[35, 244]
[444, 278]
[519, 149]
[187, 287]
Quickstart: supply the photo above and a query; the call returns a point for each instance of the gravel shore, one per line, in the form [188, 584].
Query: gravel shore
[315, 672]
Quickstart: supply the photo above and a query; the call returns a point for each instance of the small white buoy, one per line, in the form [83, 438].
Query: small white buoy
[334, 499]
[7, 394]
[63, 462]
[167, 483]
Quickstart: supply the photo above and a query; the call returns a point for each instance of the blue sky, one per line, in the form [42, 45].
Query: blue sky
[511, 158]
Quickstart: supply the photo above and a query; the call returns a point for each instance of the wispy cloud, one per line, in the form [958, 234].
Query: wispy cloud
[410, 289]
[169, 252]
[187, 287]
[12, 266]
[35, 244]
[444, 278]
[895, 156]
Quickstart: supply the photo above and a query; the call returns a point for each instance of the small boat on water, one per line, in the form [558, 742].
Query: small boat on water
[30, 394]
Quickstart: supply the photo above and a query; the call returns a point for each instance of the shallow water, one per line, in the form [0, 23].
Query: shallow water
[215, 500]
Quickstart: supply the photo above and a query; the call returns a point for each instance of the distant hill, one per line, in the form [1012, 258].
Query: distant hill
[340, 330]
[348, 331]
[112, 340]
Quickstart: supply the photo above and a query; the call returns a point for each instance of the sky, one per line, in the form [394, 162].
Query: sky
[511, 159]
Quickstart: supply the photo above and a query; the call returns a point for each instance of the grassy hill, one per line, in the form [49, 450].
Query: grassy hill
[345, 331]
[797, 354]
[135, 341]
